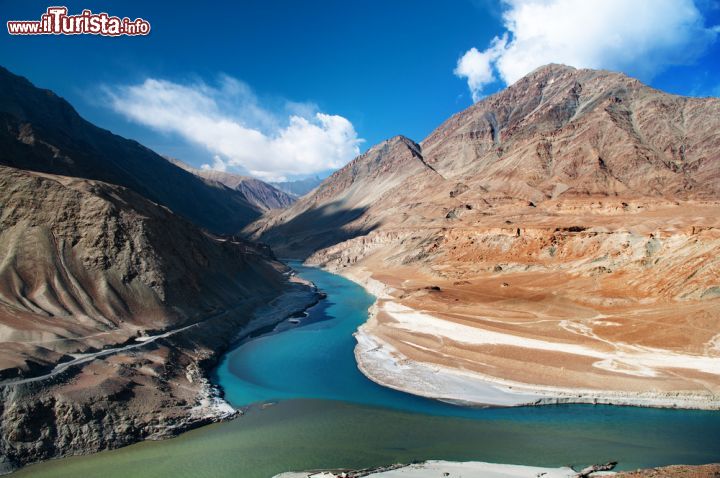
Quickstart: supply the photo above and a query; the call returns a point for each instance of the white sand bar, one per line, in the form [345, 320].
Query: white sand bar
[448, 469]
[639, 360]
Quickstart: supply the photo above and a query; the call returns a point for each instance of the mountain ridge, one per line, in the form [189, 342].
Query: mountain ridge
[262, 195]
[557, 132]
[42, 132]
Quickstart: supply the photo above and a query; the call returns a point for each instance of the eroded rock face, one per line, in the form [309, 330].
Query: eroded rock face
[575, 207]
[76, 248]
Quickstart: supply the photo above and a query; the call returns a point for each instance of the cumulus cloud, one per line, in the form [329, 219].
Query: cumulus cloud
[638, 37]
[228, 121]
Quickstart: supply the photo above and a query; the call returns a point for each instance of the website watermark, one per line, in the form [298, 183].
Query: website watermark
[56, 21]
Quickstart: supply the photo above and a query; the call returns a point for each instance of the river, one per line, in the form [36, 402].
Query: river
[309, 407]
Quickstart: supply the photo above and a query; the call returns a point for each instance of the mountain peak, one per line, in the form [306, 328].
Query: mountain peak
[399, 140]
[552, 69]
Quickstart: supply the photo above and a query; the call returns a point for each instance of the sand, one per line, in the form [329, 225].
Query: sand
[434, 469]
[421, 353]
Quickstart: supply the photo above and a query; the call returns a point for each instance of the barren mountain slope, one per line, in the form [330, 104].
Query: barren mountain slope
[346, 204]
[87, 266]
[40, 131]
[561, 131]
[560, 238]
[259, 193]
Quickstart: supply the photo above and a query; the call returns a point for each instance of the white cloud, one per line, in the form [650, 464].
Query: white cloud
[638, 37]
[477, 66]
[228, 121]
[217, 165]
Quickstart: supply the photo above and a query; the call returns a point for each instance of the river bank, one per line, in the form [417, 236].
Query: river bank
[435, 468]
[389, 323]
[151, 390]
[313, 409]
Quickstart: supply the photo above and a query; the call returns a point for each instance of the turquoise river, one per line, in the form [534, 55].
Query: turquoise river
[308, 407]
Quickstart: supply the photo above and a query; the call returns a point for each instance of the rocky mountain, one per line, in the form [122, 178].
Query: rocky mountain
[561, 131]
[40, 131]
[259, 193]
[82, 257]
[341, 207]
[559, 238]
[299, 187]
[88, 268]
[558, 133]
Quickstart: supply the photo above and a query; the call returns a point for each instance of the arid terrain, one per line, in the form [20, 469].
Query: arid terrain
[557, 241]
[113, 308]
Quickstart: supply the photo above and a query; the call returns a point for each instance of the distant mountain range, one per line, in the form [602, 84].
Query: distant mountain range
[261, 194]
[299, 187]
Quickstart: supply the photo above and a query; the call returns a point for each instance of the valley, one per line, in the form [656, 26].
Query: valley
[557, 241]
[546, 253]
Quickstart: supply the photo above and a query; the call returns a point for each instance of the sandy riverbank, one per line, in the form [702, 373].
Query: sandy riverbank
[390, 324]
[448, 469]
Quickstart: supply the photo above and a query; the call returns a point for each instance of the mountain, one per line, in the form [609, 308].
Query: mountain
[42, 132]
[558, 133]
[341, 206]
[90, 268]
[299, 187]
[82, 257]
[556, 241]
[260, 194]
[561, 131]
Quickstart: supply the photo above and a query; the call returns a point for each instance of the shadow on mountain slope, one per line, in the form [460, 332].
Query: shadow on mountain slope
[316, 229]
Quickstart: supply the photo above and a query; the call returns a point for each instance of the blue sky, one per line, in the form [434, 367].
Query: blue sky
[351, 73]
